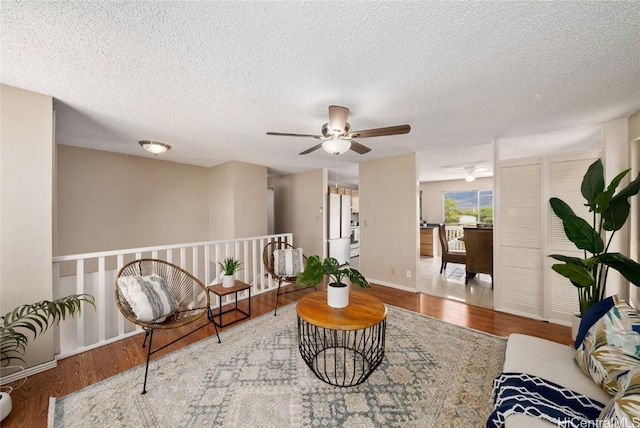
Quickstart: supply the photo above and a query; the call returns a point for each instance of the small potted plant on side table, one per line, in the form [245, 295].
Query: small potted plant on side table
[337, 290]
[229, 266]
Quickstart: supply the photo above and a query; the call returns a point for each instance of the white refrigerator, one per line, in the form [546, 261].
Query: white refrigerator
[339, 227]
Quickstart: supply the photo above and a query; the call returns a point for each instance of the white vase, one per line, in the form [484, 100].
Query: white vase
[228, 281]
[5, 405]
[338, 297]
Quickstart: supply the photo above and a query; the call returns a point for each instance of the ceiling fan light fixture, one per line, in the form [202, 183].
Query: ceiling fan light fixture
[154, 147]
[336, 147]
[469, 178]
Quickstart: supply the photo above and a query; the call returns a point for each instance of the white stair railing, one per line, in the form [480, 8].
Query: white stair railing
[95, 273]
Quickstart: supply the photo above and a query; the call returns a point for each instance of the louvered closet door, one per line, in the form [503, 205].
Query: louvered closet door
[565, 179]
[520, 240]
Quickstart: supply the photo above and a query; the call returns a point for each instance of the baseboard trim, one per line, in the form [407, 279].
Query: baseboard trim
[392, 285]
[28, 372]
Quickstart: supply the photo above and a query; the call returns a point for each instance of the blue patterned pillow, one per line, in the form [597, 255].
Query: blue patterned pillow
[592, 315]
[149, 297]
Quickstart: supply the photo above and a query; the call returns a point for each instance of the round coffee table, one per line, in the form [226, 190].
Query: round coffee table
[341, 346]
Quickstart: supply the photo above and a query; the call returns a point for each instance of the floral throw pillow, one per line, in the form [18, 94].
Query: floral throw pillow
[611, 347]
[624, 409]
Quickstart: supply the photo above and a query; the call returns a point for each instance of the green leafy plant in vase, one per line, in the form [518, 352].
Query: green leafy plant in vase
[337, 290]
[610, 212]
[229, 266]
[34, 318]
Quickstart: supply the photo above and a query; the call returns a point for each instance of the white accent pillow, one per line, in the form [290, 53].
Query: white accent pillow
[288, 262]
[149, 297]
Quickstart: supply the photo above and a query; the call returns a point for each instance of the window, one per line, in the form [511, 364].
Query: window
[468, 207]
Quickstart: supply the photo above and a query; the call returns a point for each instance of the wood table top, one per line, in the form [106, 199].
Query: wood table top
[219, 290]
[363, 311]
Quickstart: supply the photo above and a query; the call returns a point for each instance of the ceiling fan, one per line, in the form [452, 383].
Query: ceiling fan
[337, 137]
[472, 171]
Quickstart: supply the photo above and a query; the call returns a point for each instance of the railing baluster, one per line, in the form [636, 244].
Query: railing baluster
[102, 301]
[119, 264]
[207, 265]
[114, 324]
[80, 290]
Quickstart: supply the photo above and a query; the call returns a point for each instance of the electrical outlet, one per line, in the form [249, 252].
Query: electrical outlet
[408, 274]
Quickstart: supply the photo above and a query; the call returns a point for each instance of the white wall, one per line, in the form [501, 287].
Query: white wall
[616, 146]
[26, 212]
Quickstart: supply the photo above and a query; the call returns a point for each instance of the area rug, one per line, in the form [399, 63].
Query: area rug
[434, 374]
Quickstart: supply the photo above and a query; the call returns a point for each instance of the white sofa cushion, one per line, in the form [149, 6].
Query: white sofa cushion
[551, 361]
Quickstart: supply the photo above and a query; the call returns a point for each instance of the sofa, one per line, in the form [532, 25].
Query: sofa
[603, 364]
[551, 361]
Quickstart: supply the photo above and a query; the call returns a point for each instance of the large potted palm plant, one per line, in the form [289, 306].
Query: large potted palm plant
[33, 318]
[610, 212]
[337, 290]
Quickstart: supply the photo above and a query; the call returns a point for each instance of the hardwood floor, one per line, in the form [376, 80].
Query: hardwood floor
[31, 401]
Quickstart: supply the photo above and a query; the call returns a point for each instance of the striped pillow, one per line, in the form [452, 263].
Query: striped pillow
[288, 262]
[149, 297]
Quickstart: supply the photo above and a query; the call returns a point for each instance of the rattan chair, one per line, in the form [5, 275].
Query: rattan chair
[268, 261]
[479, 245]
[448, 256]
[191, 294]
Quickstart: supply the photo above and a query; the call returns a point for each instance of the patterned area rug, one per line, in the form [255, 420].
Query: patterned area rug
[434, 374]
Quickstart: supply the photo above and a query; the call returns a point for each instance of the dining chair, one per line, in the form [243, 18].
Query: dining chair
[449, 256]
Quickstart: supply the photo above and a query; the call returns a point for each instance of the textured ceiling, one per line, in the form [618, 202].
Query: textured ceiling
[211, 78]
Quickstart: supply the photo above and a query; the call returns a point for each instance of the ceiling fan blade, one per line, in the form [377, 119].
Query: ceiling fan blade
[338, 119]
[286, 134]
[311, 149]
[379, 132]
[359, 148]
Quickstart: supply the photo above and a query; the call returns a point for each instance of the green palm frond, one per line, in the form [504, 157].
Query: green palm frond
[35, 318]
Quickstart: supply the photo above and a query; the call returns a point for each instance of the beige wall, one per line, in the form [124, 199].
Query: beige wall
[389, 234]
[432, 195]
[237, 201]
[108, 201]
[26, 181]
[300, 201]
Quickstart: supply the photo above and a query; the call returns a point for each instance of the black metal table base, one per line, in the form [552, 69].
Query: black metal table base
[341, 357]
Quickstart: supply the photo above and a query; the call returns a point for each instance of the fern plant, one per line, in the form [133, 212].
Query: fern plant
[35, 318]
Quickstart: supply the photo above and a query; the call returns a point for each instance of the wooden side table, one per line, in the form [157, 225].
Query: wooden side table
[341, 346]
[221, 291]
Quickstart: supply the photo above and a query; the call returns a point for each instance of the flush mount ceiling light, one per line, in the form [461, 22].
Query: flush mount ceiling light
[154, 147]
[336, 147]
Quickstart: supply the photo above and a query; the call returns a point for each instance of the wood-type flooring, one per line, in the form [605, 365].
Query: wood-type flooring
[30, 402]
